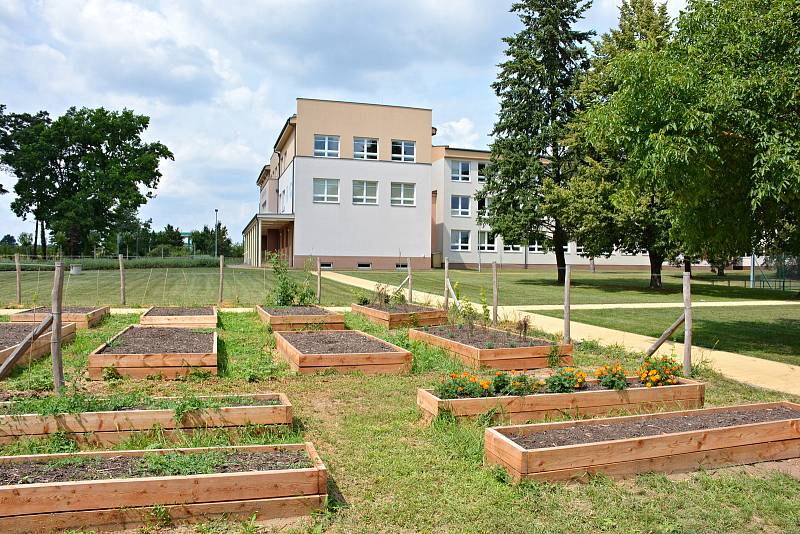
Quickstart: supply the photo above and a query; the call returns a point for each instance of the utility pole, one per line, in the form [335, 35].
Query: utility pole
[216, 231]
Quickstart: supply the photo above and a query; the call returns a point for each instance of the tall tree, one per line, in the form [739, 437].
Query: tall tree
[535, 87]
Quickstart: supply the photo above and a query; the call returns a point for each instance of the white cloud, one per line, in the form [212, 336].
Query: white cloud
[459, 133]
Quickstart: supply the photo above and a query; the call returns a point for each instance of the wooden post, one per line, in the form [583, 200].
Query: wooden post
[19, 278]
[221, 277]
[446, 290]
[567, 275]
[121, 280]
[410, 282]
[55, 336]
[687, 324]
[494, 293]
[319, 280]
[668, 332]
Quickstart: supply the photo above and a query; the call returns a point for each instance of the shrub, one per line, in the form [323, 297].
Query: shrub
[565, 380]
[612, 377]
[464, 385]
[514, 383]
[661, 371]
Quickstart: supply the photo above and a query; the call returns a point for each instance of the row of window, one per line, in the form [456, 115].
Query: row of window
[487, 242]
[327, 146]
[459, 171]
[365, 192]
[460, 206]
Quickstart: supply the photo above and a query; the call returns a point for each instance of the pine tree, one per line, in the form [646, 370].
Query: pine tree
[535, 87]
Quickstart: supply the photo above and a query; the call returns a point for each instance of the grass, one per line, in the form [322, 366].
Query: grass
[148, 287]
[389, 473]
[769, 332]
[539, 286]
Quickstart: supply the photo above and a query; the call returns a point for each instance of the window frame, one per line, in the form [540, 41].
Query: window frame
[460, 212]
[459, 246]
[325, 199]
[536, 248]
[458, 176]
[393, 199]
[326, 152]
[484, 247]
[364, 195]
[513, 249]
[365, 155]
[402, 157]
[481, 177]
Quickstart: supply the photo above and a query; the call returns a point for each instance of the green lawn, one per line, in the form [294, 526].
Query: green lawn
[389, 473]
[770, 332]
[191, 286]
[539, 287]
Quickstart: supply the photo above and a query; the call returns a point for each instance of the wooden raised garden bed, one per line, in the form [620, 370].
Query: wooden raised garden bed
[82, 316]
[291, 318]
[400, 315]
[685, 395]
[480, 346]
[111, 427]
[669, 442]
[342, 350]
[149, 351]
[174, 316]
[268, 481]
[12, 334]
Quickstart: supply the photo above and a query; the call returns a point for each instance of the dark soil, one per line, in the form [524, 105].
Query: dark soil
[594, 433]
[11, 333]
[99, 468]
[485, 338]
[400, 308]
[161, 340]
[335, 342]
[296, 310]
[173, 311]
[64, 309]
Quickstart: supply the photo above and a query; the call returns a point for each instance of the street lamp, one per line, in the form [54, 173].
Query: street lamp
[216, 232]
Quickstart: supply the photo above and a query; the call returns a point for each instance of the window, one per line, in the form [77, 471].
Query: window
[459, 239]
[536, 248]
[365, 192]
[459, 206]
[403, 194]
[512, 248]
[459, 171]
[400, 266]
[481, 172]
[326, 265]
[487, 241]
[404, 151]
[326, 146]
[364, 266]
[326, 190]
[578, 249]
[483, 206]
[365, 148]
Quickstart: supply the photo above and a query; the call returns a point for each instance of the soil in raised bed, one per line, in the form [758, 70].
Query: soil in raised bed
[13, 333]
[593, 433]
[71, 469]
[485, 338]
[174, 311]
[296, 310]
[336, 342]
[400, 308]
[65, 309]
[161, 340]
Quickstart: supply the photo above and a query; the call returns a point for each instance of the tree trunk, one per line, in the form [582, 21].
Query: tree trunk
[44, 240]
[35, 239]
[656, 260]
[687, 267]
[559, 242]
[721, 269]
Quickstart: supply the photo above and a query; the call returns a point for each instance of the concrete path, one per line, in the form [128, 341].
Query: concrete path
[656, 305]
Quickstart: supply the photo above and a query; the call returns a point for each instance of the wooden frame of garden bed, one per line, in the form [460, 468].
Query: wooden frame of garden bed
[112, 427]
[665, 453]
[81, 320]
[394, 362]
[291, 323]
[520, 358]
[179, 321]
[685, 395]
[428, 317]
[125, 503]
[168, 365]
[40, 347]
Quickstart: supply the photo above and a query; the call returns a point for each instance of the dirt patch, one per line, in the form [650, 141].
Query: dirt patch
[100, 468]
[336, 342]
[12, 334]
[593, 433]
[161, 340]
[296, 310]
[400, 308]
[174, 311]
[485, 338]
[64, 309]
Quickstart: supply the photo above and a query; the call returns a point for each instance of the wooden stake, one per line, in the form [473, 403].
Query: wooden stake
[687, 324]
[121, 280]
[55, 336]
[567, 275]
[494, 293]
[446, 289]
[19, 278]
[319, 280]
[221, 277]
[22, 348]
[410, 282]
[668, 332]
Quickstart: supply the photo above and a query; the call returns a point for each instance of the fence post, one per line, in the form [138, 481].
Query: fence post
[446, 291]
[319, 280]
[410, 281]
[687, 324]
[221, 277]
[494, 293]
[121, 280]
[19, 278]
[55, 330]
[567, 276]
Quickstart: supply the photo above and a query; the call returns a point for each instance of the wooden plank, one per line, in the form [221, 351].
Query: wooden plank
[180, 321]
[398, 368]
[427, 317]
[96, 373]
[81, 320]
[286, 323]
[153, 360]
[377, 358]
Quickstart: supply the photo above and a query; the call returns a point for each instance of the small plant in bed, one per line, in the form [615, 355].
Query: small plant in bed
[659, 371]
[565, 380]
[287, 292]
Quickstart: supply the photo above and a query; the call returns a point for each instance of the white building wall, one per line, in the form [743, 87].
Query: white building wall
[286, 189]
[347, 229]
